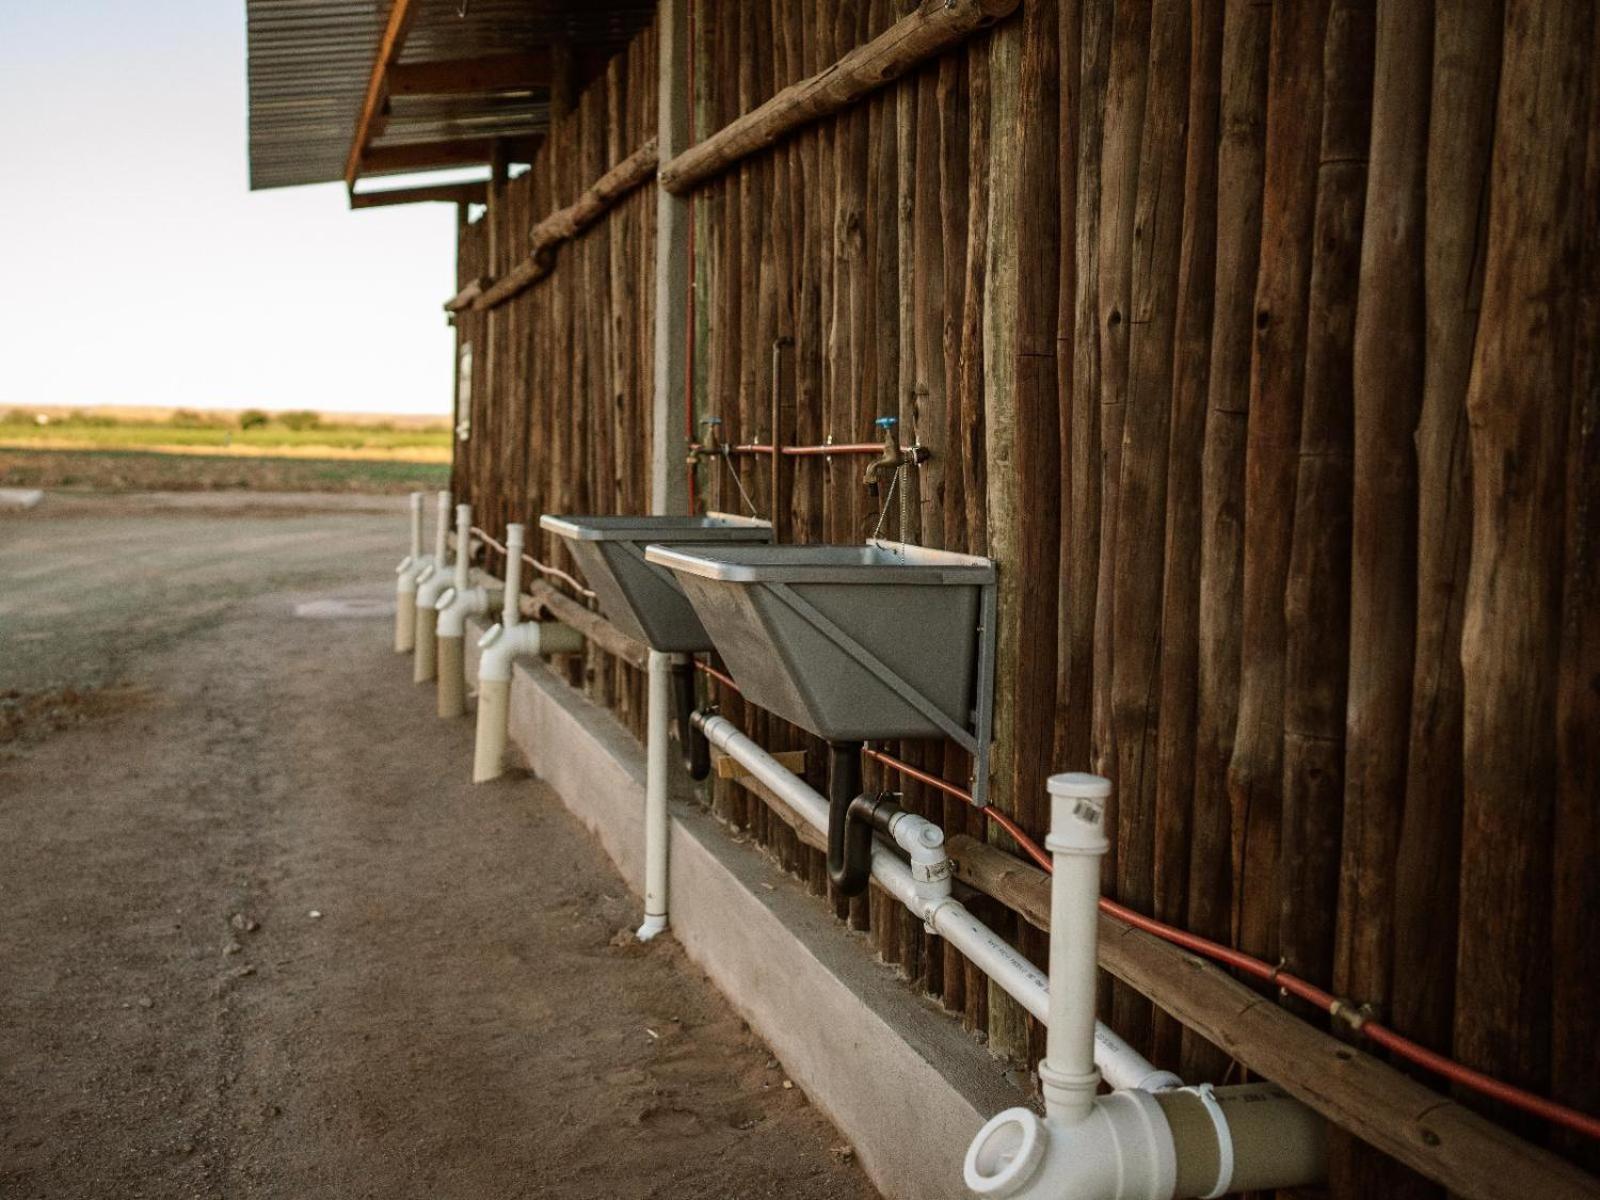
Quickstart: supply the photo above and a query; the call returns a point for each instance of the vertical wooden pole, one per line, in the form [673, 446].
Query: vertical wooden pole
[1180, 600]
[1575, 1023]
[1240, 164]
[1519, 403]
[1080, 563]
[1255, 781]
[1390, 347]
[1006, 427]
[1317, 586]
[1466, 65]
[1137, 563]
[668, 480]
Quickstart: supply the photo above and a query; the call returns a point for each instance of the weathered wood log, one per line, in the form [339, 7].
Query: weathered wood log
[450, 193]
[933, 28]
[1240, 162]
[1389, 349]
[1180, 600]
[1574, 1021]
[465, 298]
[1150, 318]
[1440, 1138]
[1466, 58]
[1317, 586]
[1007, 427]
[566, 223]
[542, 598]
[1518, 402]
[1255, 775]
[1080, 552]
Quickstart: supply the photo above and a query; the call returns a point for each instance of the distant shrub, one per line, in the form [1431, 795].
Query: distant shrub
[18, 416]
[300, 420]
[186, 418]
[253, 418]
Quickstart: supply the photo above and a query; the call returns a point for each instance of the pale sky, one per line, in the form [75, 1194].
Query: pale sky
[136, 267]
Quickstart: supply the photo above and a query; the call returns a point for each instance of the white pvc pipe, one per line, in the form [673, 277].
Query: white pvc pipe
[463, 544]
[1077, 843]
[500, 647]
[405, 610]
[657, 825]
[1018, 978]
[430, 581]
[512, 612]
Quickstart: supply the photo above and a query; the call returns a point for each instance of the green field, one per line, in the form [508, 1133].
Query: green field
[142, 471]
[287, 433]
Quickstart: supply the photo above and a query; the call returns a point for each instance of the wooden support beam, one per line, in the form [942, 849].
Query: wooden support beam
[934, 27]
[486, 74]
[728, 767]
[1430, 1133]
[542, 598]
[401, 13]
[566, 223]
[427, 156]
[452, 193]
[669, 405]
[464, 298]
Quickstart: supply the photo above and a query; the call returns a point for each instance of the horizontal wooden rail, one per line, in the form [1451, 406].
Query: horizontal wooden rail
[1430, 1133]
[542, 598]
[566, 223]
[933, 28]
[451, 193]
[465, 297]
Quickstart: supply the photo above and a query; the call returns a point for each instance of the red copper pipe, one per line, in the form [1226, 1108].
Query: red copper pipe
[1374, 1031]
[838, 448]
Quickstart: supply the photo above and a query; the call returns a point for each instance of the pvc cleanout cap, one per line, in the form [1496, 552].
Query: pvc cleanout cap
[1080, 785]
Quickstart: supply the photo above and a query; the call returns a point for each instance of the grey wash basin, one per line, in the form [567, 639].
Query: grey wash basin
[851, 642]
[643, 600]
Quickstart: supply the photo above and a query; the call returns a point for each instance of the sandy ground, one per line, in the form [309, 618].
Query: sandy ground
[260, 937]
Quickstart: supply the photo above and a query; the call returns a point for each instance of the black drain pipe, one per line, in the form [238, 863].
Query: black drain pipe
[696, 750]
[853, 816]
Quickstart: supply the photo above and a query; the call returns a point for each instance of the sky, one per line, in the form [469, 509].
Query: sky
[137, 268]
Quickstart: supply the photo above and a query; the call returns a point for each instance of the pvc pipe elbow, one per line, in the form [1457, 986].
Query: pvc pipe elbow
[651, 927]
[1121, 1149]
[455, 606]
[501, 645]
[430, 587]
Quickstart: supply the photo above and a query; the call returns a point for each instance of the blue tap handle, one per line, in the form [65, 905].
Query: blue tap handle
[887, 422]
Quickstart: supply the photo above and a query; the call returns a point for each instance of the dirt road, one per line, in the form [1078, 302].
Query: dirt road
[261, 938]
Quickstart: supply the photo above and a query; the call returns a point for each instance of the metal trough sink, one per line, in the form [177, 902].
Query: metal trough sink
[643, 600]
[853, 643]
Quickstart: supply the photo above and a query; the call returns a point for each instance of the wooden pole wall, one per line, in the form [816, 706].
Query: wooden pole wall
[1256, 344]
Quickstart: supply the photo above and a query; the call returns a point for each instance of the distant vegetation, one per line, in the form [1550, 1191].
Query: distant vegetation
[299, 434]
[137, 471]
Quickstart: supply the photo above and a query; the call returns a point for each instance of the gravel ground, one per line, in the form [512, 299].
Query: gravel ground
[263, 939]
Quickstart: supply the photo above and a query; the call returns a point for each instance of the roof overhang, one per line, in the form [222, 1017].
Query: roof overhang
[345, 89]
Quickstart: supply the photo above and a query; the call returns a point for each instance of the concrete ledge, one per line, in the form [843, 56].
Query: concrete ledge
[906, 1085]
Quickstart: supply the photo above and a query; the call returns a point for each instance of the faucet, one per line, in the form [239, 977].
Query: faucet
[893, 456]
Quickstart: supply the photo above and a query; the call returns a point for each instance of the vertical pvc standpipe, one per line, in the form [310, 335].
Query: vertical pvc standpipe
[405, 588]
[657, 825]
[429, 584]
[452, 694]
[1077, 843]
[494, 694]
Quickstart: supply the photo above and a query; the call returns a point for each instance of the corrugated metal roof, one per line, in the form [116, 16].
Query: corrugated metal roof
[309, 61]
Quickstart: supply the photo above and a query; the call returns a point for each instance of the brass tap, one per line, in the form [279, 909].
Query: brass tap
[893, 456]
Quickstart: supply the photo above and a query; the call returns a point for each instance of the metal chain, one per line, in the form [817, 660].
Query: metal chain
[883, 513]
[727, 457]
